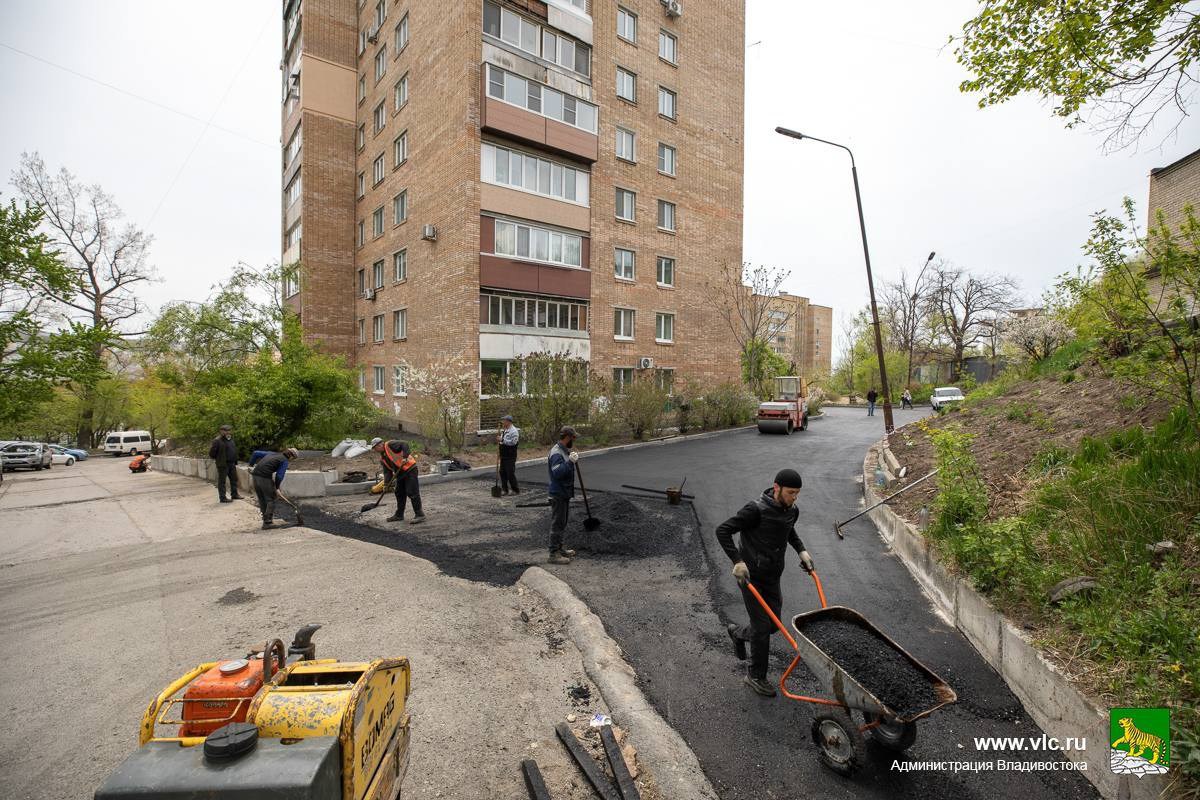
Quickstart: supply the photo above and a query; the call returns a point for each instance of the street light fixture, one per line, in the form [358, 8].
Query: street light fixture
[888, 427]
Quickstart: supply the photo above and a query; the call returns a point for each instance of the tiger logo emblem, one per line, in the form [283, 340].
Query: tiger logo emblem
[1138, 741]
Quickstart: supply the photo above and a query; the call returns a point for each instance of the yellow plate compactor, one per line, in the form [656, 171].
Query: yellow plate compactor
[277, 723]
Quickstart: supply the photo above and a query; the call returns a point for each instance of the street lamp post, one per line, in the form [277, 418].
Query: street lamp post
[888, 427]
[912, 309]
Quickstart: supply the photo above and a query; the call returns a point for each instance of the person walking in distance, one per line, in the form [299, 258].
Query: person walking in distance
[400, 468]
[223, 451]
[510, 437]
[872, 396]
[766, 527]
[267, 470]
[906, 399]
[562, 488]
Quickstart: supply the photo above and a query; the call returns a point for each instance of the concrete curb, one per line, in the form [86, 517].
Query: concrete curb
[1047, 694]
[662, 749]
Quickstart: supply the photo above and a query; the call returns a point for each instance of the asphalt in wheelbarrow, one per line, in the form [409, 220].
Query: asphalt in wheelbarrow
[874, 664]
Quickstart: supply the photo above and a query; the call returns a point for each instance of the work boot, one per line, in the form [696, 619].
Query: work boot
[760, 686]
[516, 491]
[739, 644]
[504, 493]
[235, 497]
[396, 518]
[226, 500]
[267, 524]
[417, 520]
[559, 557]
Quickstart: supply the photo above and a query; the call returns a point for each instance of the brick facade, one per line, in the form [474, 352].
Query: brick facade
[1173, 187]
[806, 338]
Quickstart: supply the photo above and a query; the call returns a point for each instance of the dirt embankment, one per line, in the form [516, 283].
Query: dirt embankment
[1013, 429]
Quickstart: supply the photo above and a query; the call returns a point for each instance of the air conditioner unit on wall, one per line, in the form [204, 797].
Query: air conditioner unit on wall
[373, 34]
[674, 8]
[645, 363]
[369, 294]
[429, 233]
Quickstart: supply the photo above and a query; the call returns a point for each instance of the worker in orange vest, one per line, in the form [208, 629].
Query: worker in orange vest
[400, 467]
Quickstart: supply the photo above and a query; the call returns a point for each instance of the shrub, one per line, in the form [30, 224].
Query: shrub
[642, 406]
[557, 391]
[447, 399]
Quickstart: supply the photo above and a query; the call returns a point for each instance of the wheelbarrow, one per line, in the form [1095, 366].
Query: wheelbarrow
[840, 738]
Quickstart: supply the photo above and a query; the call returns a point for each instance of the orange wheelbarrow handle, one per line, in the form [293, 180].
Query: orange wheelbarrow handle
[792, 641]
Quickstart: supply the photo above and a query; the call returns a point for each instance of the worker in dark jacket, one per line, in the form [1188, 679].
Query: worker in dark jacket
[400, 468]
[767, 527]
[562, 488]
[510, 437]
[267, 470]
[223, 450]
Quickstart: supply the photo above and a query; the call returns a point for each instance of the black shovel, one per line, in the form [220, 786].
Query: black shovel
[496, 488]
[295, 508]
[367, 507]
[590, 523]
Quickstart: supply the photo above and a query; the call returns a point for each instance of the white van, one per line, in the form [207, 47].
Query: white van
[128, 442]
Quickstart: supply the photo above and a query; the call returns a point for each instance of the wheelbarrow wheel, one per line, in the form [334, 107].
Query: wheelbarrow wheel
[892, 734]
[842, 747]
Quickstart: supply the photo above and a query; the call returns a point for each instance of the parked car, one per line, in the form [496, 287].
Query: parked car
[61, 455]
[25, 455]
[945, 395]
[79, 453]
[128, 443]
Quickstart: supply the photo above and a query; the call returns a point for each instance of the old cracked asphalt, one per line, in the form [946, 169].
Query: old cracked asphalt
[756, 748]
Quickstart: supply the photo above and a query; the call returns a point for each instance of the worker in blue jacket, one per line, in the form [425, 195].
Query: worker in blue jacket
[267, 469]
[562, 488]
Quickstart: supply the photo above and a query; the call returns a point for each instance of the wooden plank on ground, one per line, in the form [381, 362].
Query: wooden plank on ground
[591, 770]
[533, 780]
[620, 769]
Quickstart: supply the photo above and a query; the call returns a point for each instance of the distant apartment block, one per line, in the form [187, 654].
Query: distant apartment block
[490, 179]
[802, 332]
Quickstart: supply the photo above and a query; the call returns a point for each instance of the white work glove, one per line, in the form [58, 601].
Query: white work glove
[574, 457]
[741, 572]
[806, 561]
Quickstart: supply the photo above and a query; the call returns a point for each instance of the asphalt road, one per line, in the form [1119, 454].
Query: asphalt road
[752, 747]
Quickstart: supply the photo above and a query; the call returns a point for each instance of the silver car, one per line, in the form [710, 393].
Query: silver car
[25, 455]
[944, 395]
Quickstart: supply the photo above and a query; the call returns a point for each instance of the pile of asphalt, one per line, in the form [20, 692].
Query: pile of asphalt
[877, 666]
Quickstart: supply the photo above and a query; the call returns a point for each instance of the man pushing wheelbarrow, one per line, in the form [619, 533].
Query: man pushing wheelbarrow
[767, 527]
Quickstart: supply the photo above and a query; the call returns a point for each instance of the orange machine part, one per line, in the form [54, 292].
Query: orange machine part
[220, 696]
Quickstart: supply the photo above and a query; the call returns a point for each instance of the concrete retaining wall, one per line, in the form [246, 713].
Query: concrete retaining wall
[300, 483]
[1048, 696]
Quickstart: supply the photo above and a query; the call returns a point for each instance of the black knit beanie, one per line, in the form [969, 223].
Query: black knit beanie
[788, 479]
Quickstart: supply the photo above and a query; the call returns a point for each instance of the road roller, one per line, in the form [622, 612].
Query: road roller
[277, 722]
[788, 411]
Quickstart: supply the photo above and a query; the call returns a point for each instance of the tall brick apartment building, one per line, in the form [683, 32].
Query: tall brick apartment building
[488, 179]
[802, 332]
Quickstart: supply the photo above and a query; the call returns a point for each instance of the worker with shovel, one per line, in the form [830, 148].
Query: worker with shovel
[510, 437]
[562, 488]
[767, 527]
[267, 470]
[400, 468]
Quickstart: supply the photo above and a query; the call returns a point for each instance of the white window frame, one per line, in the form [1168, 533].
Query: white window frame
[361, 138]
[360, 190]
[378, 170]
[400, 207]
[664, 93]
[664, 206]
[529, 311]
[627, 25]
[658, 270]
[377, 274]
[620, 263]
[620, 316]
[492, 157]
[626, 145]
[400, 380]
[532, 234]
[362, 330]
[400, 93]
[294, 145]
[664, 323]
[379, 117]
[294, 189]
[377, 226]
[381, 62]
[400, 265]
[543, 92]
[627, 76]
[399, 324]
[663, 149]
[362, 232]
[378, 328]
[401, 34]
[620, 384]
[559, 40]
[362, 379]
[400, 149]
[665, 36]
[379, 379]
[362, 88]
[632, 197]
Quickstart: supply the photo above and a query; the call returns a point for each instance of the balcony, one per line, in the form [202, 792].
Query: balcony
[499, 271]
[531, 112]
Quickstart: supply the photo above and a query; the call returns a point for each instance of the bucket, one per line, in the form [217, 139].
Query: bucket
[443, 467]
[674, 495]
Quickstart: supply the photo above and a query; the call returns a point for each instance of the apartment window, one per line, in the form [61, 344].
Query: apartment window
[380, 117]
[361, 140]
[666, 159]
[510, 27]
[400, 265]
[566, 52]
[377, 328]
[664, 327]
[540, 99]
[626, 85]
[362, 380]
[377, 223]
[291, 284]
[377, 274]
[293, 147]
[494, 377]
[361, 185]
[292, 236]
[626, 145]
[377, 371]
[505, 167]
[538, 244]
[380, 63]
[362, 88]
[400, 380]
[380, 13]
[377, 170]
[362, 331]
[401, 34]
[626, 24]
[580, 4]
[292, 192]
[623, 323]
[666, 103]
[400, 92]
[622, 379]
[531, 312]
[626, 204]
[624, 263]
[668, 46]
[665, 378]
[400, 149]
[400, 208]
[665, 273]
[666, 215]
[361, 238]
[400, 323]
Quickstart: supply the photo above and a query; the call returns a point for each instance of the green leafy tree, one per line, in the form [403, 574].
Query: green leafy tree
[448, 400]
[150, 404]
[1126, 61]
[760, 366]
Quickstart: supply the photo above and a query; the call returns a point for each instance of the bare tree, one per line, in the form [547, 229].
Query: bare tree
[964, 305]
[1038, 336]
[746, 299]
[907, 312]
[108, 259]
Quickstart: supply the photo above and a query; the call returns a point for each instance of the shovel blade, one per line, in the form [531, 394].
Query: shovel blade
[591, 524]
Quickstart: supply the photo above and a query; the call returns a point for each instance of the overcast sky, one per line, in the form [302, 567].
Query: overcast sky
[174, 109]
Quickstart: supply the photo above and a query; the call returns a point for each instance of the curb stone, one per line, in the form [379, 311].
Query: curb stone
[665, 753]
[1046, 694]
